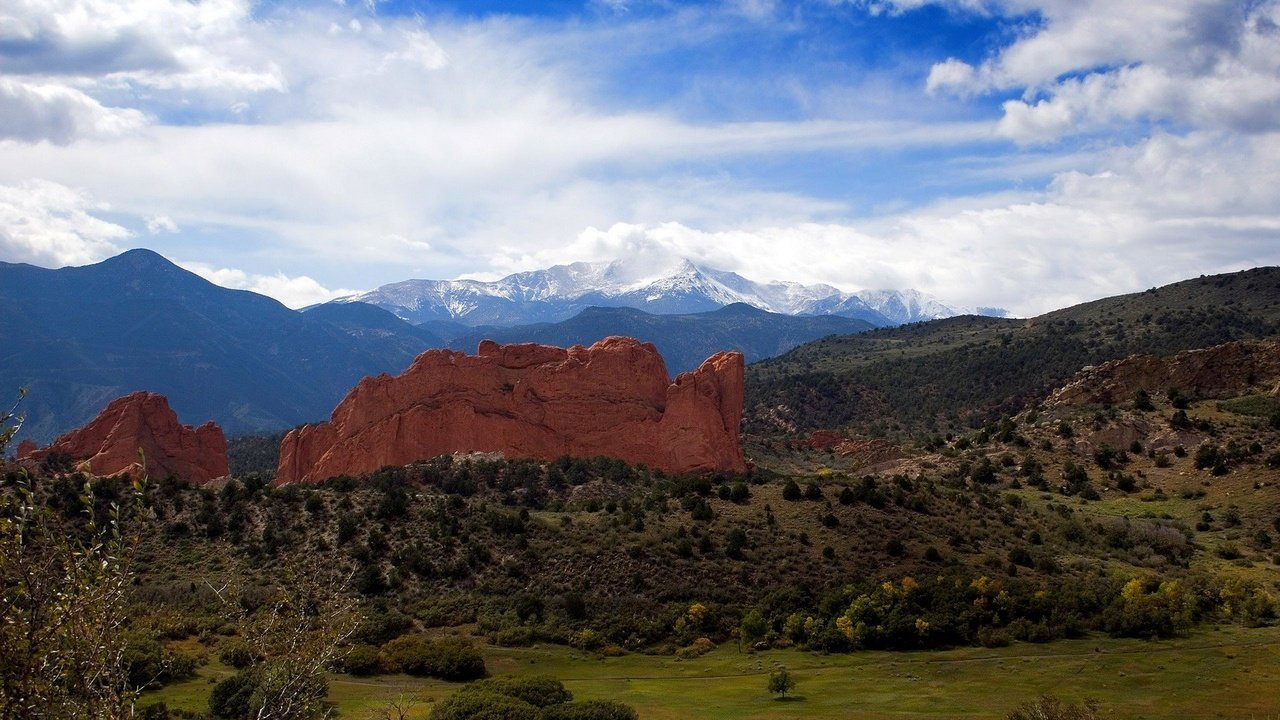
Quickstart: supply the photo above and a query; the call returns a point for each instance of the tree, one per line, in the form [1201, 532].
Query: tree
[63, 588]
[293, 640]
[781, 682]
[753, 627]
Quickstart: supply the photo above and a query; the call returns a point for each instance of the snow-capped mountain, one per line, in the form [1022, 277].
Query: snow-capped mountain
[560, 292]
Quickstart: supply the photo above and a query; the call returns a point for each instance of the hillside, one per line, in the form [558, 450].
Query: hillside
[957, 372]
[967, 534]
[79, 337]
[684, 340]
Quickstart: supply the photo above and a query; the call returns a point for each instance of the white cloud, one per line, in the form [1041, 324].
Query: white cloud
[954, 75]
[51, 225]
[157, 224]
[361, 148]
[70, 61]
[1209, 63]
[295, 292]
[32, 112]
[1167, 209]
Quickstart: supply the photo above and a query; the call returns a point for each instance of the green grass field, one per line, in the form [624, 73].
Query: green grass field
[1227, 673]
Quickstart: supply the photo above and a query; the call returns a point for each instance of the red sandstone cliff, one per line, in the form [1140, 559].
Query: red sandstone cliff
[110, 442]
[1217, 371]
[613, 398]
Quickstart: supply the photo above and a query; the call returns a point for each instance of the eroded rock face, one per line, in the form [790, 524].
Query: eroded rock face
[1218, 371]
[535, 401]
[110, 442]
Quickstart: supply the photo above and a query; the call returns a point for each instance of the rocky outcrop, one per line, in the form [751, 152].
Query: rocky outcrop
[142, 420]
[1218, 371]
[613, 398]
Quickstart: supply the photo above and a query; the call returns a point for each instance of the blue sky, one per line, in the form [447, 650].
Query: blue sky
[1018, 153]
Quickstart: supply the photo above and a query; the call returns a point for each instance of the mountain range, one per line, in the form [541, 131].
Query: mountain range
[79, 337]
[561, 292]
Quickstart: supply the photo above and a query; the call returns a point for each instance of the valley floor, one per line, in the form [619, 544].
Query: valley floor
[1230, 672]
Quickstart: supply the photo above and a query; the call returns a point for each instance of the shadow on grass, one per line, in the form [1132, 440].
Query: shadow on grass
[789, 698]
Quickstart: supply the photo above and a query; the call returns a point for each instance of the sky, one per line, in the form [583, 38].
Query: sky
[1025, 154]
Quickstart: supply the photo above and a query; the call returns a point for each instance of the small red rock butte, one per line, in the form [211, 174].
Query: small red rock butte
[110, 442]
[533, 401]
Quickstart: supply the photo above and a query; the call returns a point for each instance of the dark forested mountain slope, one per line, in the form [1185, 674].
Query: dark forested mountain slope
[929, 376]
[79, 337]
[684, 340]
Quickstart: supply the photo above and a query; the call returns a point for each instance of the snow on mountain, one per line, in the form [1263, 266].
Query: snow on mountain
[560, 292]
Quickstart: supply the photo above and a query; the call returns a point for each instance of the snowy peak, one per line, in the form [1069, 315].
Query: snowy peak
[663, 287]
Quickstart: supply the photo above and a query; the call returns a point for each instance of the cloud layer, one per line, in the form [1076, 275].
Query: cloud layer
[1094, 147]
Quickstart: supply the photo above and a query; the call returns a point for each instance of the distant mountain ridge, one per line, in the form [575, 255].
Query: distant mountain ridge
[80, 337]
[560, 292]
[683, 340]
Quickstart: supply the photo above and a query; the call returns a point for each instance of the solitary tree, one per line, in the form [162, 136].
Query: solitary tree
[781, 682]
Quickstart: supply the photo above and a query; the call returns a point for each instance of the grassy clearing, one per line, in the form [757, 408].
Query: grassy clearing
[1226, 673]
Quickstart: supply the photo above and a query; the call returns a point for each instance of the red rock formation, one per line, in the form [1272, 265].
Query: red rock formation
[110, 442]
[1217, 371]
[613, 398]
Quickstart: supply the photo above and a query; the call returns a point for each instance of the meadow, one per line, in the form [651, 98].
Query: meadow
[1227, 672]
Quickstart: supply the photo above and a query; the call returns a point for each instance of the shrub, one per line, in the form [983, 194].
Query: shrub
[238, 654]
[791, 491]
[231, 697]
[697, 648]
[362, 661]
[1142, 401]
[589, 710]
[1050, 708]
[445, 659]
[483, 706]
[539, 692]
[381, 627]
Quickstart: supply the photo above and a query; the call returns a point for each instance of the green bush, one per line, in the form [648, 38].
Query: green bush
[483, 706]
[791, 491]
[445, 659]
[539, 692]
[381, 627]
[590, 710]
[232, 697]
[238, 654]
[362, 661]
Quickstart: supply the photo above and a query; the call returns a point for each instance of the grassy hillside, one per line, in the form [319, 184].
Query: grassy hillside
[956, 373]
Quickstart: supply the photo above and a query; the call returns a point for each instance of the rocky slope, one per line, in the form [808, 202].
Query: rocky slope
[1226, 369]
[141, 421]
[613, 398]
